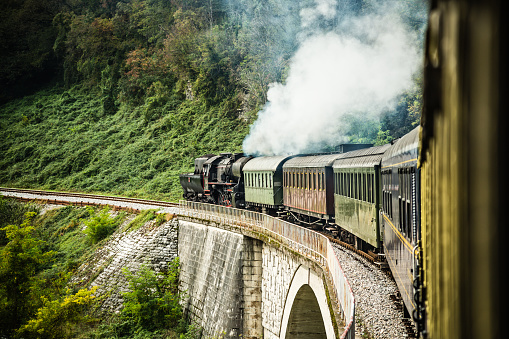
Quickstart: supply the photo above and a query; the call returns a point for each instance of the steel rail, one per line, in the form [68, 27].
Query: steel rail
[85, 196]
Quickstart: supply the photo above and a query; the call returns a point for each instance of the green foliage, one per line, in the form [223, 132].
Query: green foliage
[100, 225]
[141, 219]
[75, 146]
[153, 300]
[151, 308]
[12, 212]
[61, 230]
[60, 318]
[21, 259]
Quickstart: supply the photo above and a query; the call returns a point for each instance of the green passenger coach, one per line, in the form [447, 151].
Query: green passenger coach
[356, 194]
[263, 180]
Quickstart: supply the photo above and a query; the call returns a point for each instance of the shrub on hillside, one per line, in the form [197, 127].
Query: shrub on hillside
[100, 225]
[59, 318]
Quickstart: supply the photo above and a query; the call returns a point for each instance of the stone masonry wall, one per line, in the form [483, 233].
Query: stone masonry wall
[155, 246]
[211, 274]
[278, 269]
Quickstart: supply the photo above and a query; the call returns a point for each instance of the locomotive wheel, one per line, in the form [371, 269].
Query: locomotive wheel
[225, 199]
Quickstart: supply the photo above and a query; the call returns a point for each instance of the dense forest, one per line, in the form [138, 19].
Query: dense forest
[120, 96]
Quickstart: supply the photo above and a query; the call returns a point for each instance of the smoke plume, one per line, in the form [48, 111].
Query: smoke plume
[358, 67]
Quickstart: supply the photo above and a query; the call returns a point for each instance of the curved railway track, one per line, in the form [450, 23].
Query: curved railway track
[85, 199]
[81, 199]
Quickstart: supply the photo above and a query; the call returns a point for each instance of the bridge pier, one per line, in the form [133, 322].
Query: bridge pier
[252, 288]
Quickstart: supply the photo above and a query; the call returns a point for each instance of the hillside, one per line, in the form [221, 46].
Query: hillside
[119, 97]
[63, 140]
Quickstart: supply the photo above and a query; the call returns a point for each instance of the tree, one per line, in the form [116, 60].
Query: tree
[20, 260]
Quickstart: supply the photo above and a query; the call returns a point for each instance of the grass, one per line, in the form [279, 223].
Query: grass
[63, 140]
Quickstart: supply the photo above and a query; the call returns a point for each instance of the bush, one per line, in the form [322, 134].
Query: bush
[58, 318]
[100, 225]
[151, 308]
[153, 300]
[20, 260]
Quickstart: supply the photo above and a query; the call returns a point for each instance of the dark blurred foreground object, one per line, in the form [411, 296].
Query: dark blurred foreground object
[463, 144]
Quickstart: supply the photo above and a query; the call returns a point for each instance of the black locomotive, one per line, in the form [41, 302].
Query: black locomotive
[217, 179]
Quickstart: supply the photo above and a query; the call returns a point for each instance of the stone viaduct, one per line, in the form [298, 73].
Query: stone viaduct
[253, 276]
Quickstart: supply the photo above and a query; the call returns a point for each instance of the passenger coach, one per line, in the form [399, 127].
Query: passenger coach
[401, 212]
[309, 189]
[263, 181]
[357, 195]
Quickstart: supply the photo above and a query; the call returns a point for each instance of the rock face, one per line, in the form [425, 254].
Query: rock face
[154, 246]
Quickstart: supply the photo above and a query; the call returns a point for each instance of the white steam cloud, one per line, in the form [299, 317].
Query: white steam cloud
[360, 68]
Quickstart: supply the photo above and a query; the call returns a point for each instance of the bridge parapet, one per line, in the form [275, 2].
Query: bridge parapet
[302, 241]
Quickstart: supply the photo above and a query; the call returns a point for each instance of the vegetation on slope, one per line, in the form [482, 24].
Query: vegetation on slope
[63, 140]
[38, 256]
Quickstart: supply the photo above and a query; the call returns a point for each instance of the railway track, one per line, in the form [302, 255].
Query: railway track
[82, 199]
[85, 199]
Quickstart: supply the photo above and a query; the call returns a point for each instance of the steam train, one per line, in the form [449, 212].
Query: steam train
[441, 189]
[340, 193]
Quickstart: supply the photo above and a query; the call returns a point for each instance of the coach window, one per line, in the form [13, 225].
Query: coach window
[356, 185]
[342, 183]
[352, 185]
[373, 188]
[359, 186]
[368, 187]
[364, 187]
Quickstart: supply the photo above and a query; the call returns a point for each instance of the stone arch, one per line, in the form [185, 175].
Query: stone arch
[306, 313]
